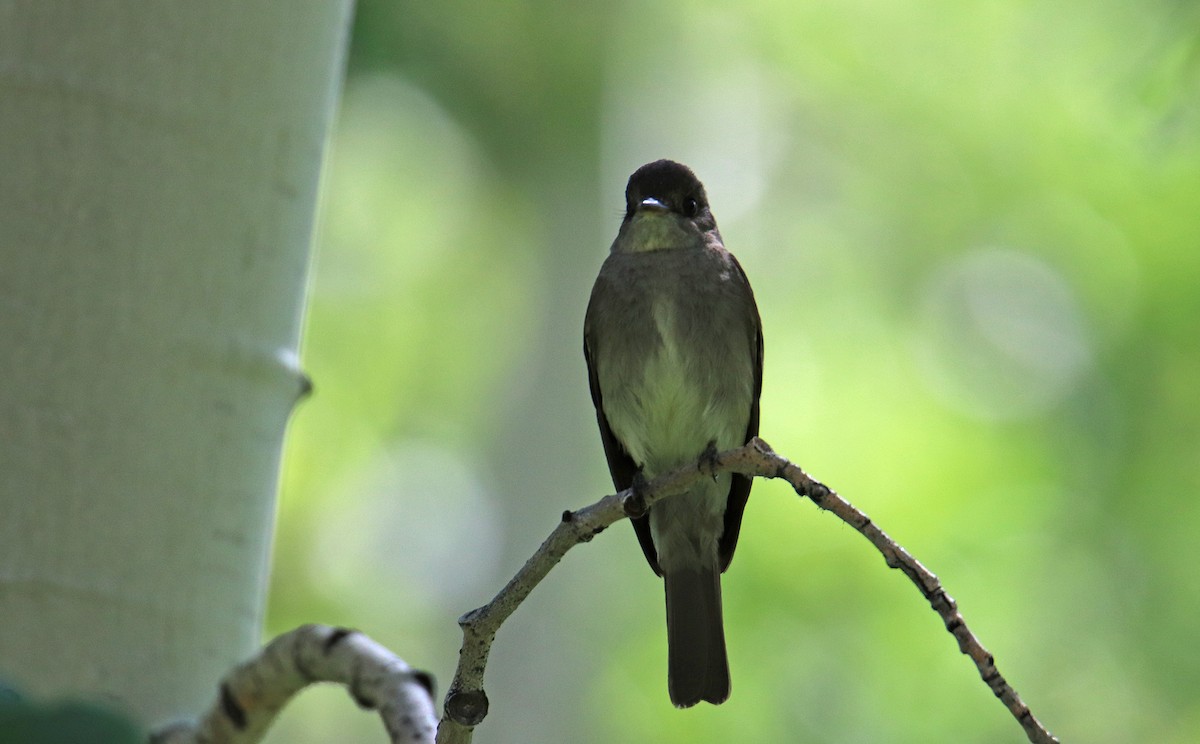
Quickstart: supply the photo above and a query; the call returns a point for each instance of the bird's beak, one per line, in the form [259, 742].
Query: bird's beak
[650, 204]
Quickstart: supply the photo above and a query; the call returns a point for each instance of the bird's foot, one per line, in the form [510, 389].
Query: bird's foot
[709, 460]
[634, 502]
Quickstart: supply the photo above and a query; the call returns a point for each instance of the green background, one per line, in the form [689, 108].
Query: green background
[973, 232]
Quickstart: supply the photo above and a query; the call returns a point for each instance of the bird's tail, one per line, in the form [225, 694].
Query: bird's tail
[697, 668]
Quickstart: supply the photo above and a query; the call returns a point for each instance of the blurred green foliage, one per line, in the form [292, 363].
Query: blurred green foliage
[974, 233]
[71, 722]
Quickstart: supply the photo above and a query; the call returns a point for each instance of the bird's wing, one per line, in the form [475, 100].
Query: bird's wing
[620, 465]
[739, 490]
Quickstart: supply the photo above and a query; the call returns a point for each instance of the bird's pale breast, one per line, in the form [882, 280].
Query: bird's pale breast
[680, 371]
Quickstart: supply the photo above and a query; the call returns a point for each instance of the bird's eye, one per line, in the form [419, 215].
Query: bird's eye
[691, 207]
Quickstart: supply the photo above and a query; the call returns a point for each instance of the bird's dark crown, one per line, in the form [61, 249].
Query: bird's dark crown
[669, 182]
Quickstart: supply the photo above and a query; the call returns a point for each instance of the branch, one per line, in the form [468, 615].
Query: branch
[253, 694]
[466, 703]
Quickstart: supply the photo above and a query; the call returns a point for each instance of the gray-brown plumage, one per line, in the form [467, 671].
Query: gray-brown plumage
[673, 344]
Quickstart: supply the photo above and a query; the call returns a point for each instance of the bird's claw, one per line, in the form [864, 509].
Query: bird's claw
[709, 460]
[634, 502]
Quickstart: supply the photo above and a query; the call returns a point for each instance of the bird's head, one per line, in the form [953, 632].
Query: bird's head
[665, 208]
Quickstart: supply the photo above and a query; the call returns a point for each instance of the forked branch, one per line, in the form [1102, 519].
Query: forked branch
[466, 703]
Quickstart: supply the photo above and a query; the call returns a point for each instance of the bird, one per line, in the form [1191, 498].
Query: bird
[674, 353]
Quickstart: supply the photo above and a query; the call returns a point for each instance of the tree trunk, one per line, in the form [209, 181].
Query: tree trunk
[159, 164]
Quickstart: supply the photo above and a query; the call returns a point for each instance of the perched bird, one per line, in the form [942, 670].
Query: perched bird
[674, 352]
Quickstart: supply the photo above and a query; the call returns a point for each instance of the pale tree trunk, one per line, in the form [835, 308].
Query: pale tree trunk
[159, 163]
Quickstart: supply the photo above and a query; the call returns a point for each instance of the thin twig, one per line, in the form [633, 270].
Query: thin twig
[466, 703]
[252, 694]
